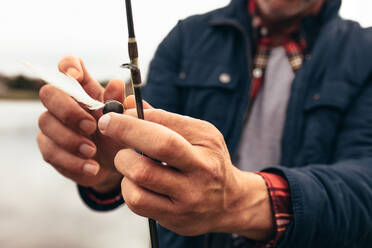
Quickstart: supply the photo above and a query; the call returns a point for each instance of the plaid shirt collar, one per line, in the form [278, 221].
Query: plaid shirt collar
[294, 46]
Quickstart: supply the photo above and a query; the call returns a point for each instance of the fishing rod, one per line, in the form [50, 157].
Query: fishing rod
[136, 85]
[133, 65]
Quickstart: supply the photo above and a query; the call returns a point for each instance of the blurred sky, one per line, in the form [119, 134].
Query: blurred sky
[42, 31]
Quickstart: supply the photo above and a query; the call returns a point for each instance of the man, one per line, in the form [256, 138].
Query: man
[287, 85]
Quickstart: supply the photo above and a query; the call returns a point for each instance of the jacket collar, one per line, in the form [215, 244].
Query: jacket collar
[236, 12]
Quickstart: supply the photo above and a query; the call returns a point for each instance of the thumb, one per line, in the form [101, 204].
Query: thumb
[75, 67]
[71, 65]
[130, 102]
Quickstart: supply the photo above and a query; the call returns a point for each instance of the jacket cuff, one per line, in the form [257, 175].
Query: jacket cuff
[98, 201]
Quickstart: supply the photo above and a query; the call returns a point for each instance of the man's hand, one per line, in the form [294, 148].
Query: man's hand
[69, 139]
[196, 189]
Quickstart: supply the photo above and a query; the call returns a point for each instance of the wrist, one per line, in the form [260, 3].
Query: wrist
[249, 210]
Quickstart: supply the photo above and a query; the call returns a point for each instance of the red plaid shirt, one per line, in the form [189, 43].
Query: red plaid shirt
[281, 207]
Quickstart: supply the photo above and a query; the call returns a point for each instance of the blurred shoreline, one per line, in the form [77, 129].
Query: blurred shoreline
[21, 87]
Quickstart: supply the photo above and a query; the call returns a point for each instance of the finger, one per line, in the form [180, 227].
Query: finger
[149, 174]
[62, 159]
[144, 202]
[152, 139]
[130, 103]
[67, 110]
[76, 68]
[65, 137]
[115, 90]
[71, 65]
[186, 126]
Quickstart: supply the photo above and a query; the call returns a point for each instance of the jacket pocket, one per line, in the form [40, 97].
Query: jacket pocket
[324, 111]
[211, 92]
[199, 74]
[334, 95]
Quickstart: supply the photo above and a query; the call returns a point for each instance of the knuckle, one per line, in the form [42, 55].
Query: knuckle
[166, 145]
[216, 139]
[44, 148]
[220, 140]
[122, 184]
[48, 127]
[207, 125]
[67, 118]
[194, 200]
[156, 115]
[48, 154]
[219, 137]
[45, 92]
[70, 142]
[43, 120]
[39, 139]
[119, 158]
[216, 174]
[70, 116]
[142, 174]
[135, 200]
[211, 134]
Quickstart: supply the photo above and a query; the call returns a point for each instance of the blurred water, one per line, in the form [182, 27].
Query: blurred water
[38, 207]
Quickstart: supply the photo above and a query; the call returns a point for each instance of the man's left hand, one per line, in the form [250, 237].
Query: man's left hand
[196, 189]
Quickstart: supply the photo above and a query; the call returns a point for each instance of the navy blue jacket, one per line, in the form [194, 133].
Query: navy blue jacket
[327, 140]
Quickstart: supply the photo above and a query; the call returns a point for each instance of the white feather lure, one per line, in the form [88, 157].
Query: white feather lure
[67, 84]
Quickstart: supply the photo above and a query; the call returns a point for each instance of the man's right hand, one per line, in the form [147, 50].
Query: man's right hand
[69, 139]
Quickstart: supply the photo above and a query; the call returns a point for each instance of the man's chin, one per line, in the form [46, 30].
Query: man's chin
[280, 18]
[279, 15]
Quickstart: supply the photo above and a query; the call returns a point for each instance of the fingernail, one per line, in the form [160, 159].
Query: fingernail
[73, 72]
[87, 126]
[87, 150]
[103, 122]
[90, 169]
